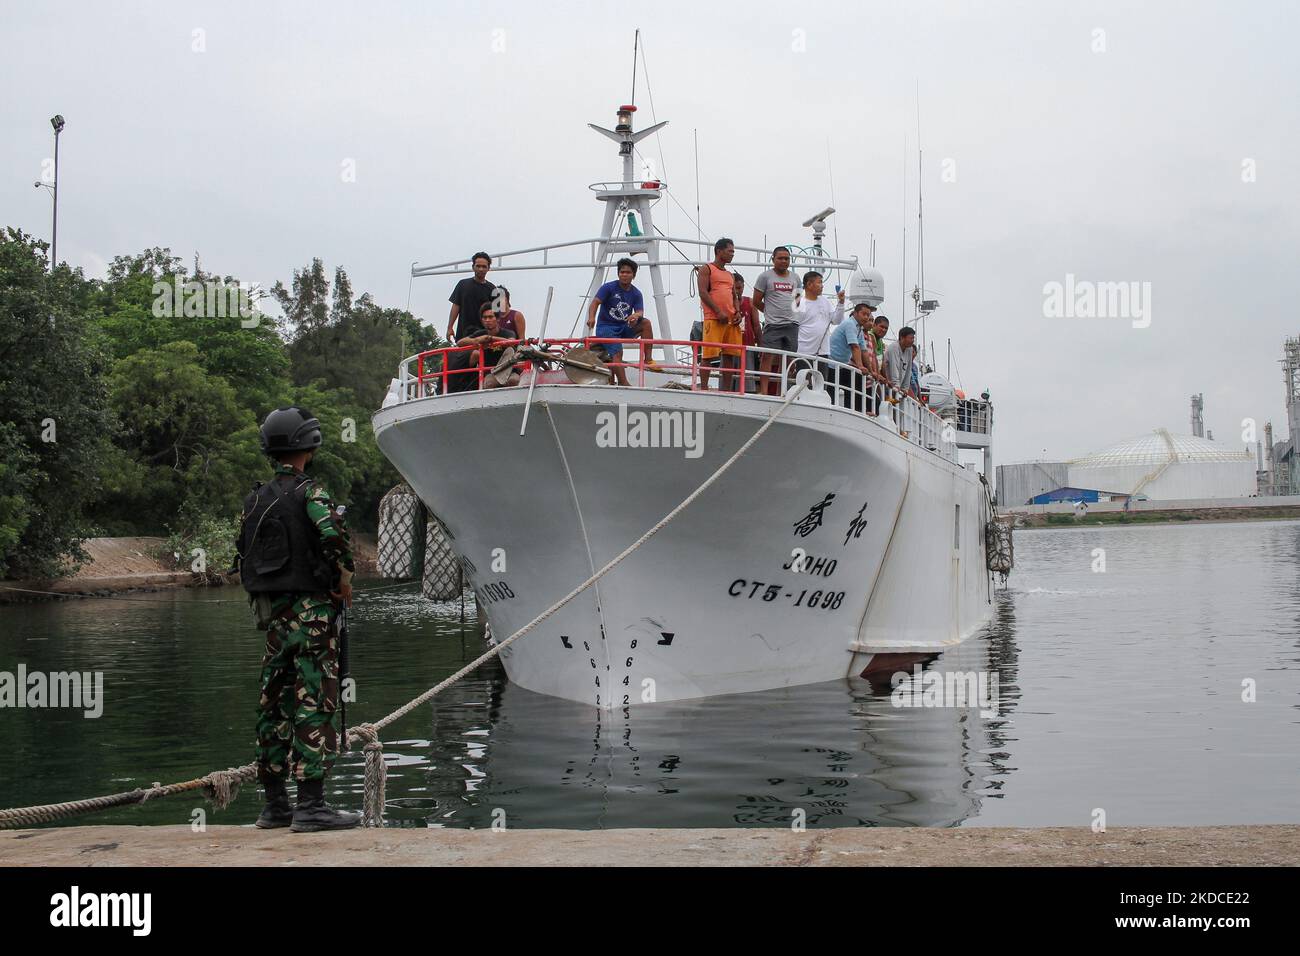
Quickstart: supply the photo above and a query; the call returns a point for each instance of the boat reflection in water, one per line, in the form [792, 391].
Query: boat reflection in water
[830, 754]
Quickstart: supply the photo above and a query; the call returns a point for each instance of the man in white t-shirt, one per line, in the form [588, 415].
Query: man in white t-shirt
[816, 315]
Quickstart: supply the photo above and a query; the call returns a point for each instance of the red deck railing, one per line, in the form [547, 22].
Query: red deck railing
[439, 360]
[767, 371]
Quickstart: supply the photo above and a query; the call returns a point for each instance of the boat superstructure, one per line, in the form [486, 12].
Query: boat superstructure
[839, 544]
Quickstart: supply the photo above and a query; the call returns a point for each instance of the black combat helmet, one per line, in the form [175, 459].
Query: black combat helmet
[290, 429]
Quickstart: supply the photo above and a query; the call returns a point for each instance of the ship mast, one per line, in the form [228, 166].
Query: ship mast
[630, 198]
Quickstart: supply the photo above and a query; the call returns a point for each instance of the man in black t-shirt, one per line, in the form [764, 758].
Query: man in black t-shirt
[468, 298]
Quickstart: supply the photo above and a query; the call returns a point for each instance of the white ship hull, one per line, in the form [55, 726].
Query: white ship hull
[711, 605]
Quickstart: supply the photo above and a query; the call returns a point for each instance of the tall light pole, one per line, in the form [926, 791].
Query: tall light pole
[57, 122]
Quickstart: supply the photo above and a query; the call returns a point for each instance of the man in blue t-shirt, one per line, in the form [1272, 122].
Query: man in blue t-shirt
[848, 346]
[621, 316]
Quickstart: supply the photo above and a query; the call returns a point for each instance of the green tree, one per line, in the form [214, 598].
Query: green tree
[16, 479]
[181, 428]
[353, 344]
[140, 311]
[308, 305]
[342, 357]
[54, 422]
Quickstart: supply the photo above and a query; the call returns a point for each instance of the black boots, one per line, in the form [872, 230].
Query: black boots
[313, 813]
[277, 812]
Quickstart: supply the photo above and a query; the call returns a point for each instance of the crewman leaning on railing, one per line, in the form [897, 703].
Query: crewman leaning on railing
[479, 350]
[848, 346]
[875, 355]
[899, 356]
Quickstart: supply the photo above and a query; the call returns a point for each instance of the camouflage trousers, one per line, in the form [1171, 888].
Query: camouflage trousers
[297, 715]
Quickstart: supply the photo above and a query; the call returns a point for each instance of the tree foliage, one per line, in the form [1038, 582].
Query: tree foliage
[355, 345]
[54, 417]
[157, 407]
[178, 425]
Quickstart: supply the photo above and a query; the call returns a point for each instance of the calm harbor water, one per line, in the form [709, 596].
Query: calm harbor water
[1120, 690]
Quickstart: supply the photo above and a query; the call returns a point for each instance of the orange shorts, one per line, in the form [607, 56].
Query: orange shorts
[724, 332]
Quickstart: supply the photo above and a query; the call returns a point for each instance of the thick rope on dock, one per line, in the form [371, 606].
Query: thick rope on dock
[372, 811]
[222, 786]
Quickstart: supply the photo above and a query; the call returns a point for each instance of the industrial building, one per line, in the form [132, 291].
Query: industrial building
[1159, 465]
[1279, 472]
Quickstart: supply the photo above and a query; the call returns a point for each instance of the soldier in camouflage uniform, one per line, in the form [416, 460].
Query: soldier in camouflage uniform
[296, 564]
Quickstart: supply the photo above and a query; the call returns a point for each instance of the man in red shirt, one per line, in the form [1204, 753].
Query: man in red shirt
[750, 332]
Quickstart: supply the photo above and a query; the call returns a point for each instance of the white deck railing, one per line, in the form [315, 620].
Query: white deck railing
[425, 376]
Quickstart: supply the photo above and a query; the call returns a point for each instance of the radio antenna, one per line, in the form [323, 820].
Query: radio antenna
[920, 223]
[636, 45]
[835, 228]
[699, 231]
[902, 284]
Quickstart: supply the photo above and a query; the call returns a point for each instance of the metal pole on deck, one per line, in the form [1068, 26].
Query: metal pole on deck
[523, 426]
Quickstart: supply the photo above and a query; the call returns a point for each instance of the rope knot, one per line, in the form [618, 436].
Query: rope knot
[222, 786]
[372, 814]
[156, 789]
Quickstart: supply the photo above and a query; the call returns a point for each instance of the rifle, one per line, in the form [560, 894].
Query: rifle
[344, 674]
[345, 664]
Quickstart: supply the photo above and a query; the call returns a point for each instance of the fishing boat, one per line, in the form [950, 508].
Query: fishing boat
[840, 545]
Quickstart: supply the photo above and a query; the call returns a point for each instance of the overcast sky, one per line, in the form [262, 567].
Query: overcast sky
[1151, 142]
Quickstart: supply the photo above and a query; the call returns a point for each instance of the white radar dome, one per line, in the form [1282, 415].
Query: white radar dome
[866, 285]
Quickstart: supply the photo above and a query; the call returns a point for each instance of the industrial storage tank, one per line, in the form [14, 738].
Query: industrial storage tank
[1167, 467]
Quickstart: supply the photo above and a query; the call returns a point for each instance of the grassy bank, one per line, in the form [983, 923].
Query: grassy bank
[1155, 517]
[116, 565]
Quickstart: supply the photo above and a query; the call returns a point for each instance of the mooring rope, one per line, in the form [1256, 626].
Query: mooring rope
[222, 786]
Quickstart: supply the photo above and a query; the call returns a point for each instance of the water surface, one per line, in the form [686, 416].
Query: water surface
[1120, 690]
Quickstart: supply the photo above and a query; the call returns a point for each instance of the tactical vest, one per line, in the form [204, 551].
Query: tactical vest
[279, 547]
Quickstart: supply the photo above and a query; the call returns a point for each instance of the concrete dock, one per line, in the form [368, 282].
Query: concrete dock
[1275, 845]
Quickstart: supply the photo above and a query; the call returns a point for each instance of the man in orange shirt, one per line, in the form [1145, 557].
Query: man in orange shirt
[721, 315]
